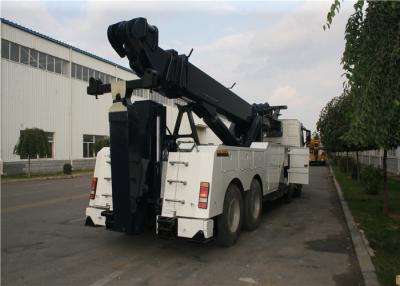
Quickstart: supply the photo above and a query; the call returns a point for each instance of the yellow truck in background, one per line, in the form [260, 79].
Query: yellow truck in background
[317, 153]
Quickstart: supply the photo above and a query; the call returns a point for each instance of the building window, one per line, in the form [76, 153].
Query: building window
[14, 52]
[5, 49]
[50, 63]
[58, 65]
[89, 142]
[79, 72]
[92, 73]
[42, 61]
[65, 67]
[33, 58]
[73, 70]
[88, 146]
[24, 55]
[84, 74]
[50, 139]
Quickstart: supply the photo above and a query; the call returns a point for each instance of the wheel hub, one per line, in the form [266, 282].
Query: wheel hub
[234, 215]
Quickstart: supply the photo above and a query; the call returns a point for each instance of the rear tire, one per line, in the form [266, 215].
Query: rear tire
[229, 222]
[252, 206]
[297, 190]
[288, 197]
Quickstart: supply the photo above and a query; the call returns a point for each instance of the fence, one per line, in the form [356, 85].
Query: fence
[375, 158]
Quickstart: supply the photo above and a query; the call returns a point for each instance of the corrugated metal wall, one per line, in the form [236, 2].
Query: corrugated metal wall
[33, 98]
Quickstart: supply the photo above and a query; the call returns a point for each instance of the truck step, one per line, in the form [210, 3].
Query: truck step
[167, 227]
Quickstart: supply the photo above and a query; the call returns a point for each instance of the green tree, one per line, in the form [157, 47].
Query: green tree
[31, 144]
[371, 61]
[333, 124]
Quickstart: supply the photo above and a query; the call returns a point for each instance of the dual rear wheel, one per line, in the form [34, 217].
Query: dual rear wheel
[239, 211]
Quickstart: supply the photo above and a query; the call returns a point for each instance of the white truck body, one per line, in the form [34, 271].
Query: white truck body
[187, 170]
[219, 166]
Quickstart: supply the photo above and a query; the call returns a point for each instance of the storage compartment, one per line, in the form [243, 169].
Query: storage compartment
[298, 165]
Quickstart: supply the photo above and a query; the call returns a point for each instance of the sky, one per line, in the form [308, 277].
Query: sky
[275, 51]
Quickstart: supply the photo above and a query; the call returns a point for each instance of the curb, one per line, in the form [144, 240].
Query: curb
[45, 178]
[360, 242]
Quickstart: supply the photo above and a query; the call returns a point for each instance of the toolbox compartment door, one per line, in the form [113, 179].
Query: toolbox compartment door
[298, 165]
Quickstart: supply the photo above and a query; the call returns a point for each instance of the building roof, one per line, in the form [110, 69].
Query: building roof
[32, 32]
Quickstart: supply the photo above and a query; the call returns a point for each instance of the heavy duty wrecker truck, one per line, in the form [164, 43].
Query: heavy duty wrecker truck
[189, 190]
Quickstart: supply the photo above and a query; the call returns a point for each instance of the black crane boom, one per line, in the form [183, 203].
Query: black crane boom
[175, 77]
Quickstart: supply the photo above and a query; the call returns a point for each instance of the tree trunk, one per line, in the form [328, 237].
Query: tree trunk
[385, 189]
[29, 166]
[357, 167]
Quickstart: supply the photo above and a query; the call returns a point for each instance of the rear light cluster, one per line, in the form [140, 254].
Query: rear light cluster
[93, 189]
[203, 195]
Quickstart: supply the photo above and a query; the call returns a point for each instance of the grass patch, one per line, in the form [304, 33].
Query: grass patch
[383, 232]
[43, 176]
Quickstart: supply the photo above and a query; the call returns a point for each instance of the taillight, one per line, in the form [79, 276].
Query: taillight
[203, 195]
[93, 189]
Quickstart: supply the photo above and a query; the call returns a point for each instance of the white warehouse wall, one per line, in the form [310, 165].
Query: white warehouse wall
[33, 98]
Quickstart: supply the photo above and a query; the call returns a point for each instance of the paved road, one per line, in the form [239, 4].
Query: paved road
[44, 242]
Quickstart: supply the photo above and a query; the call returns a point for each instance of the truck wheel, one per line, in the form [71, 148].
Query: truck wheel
[252, 206]
[287, 198]
[230, 221]
[297, 190]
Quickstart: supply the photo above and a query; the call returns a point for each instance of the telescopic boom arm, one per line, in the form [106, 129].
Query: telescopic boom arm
[173, 76]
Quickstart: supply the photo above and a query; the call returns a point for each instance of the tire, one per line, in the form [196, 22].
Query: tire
[297, 190]
[288, 197]
[252, 206]
[229, 222]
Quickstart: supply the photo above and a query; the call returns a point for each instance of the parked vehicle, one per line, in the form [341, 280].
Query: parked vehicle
[190, 190]
[317, 153]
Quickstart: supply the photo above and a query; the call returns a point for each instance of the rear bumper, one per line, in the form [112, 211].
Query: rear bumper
[192, 228]
[95, 215]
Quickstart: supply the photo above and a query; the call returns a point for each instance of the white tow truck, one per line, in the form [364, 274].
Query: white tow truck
[190, 190]
[199, 182]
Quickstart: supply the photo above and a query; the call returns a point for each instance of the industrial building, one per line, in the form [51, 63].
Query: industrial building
[43, 85]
